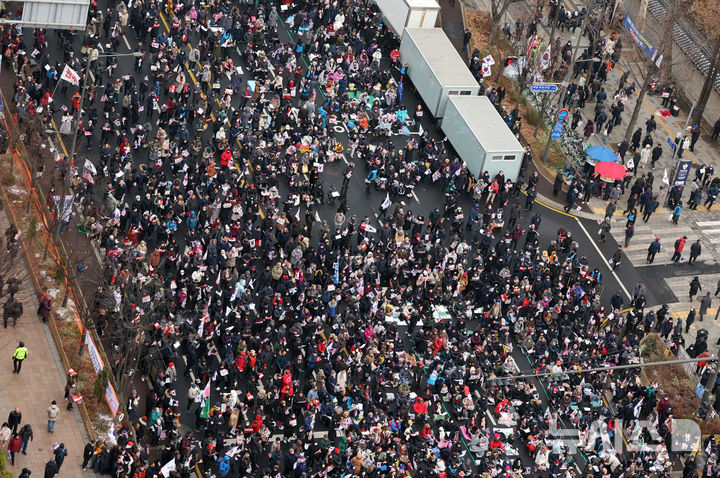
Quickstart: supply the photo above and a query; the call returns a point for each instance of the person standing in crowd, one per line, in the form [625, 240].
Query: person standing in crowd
[14, 446]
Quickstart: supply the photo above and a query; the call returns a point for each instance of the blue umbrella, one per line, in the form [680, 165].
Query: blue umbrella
[601, 153]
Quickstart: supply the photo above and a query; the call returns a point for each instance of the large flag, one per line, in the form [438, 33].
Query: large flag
[545, 61]
[666, 179]
[205, 405]
[169, 466]
[386, 203]
[70, 75]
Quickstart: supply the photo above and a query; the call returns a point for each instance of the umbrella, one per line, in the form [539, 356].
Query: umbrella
[610, 170]
[601, 153]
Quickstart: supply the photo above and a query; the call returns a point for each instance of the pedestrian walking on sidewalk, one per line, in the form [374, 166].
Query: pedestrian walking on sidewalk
[14, 446]
[695, 251]
[653, 249]
[51, 469]
[717, 288]
[52, 411]
[25, 473]
[690, 319]
[676, 213]
[60, 454]
[705, 304]
[650, 208]
[20, 354]
[694, 287]
[14, 419]
[26, 435]
[712, 194]
[679, 246]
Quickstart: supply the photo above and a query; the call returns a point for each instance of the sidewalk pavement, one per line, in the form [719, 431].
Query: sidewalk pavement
[705, 151]
[41, 380]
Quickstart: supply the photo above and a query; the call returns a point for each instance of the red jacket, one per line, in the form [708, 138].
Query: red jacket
[15, 444]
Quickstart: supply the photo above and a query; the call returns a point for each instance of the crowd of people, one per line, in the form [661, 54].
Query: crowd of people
[315, 347]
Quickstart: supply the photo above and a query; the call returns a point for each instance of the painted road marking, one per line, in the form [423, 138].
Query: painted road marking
[592, 241]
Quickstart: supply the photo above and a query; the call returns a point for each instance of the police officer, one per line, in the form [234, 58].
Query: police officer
[20, 354]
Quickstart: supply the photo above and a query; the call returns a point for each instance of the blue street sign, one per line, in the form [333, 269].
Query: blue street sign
[671, 143]
[699, 390]
[562, 114]
[556, 134]
[2, 106]
[544, 87]
[682, 172]
[558, 127]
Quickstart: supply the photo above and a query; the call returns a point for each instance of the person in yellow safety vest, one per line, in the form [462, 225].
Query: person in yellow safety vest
[20, 354]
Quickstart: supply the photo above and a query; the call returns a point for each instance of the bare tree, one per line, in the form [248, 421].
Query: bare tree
[676, 9]
[497, 12]
[708, 12]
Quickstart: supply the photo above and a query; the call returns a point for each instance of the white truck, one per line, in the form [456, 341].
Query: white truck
[435, 68]
[401, 14]
[481, 138]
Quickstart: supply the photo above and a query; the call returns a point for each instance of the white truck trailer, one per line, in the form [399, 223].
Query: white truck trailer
[435, 68]
[401, 14]
[481, 138]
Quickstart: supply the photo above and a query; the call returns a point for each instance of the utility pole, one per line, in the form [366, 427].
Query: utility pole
[679, 138]
[568, 75]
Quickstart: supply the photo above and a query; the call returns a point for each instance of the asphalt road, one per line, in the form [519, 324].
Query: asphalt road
[427, 196]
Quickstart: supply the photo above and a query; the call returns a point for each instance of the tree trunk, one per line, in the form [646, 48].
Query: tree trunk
[496, 17]
[707, 88]
[667, 44]
[639, 103]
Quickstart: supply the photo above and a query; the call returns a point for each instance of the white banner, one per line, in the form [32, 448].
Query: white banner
[70, 75]
[94, 354]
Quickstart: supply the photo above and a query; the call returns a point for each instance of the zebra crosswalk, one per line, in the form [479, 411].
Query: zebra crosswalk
[645, 233]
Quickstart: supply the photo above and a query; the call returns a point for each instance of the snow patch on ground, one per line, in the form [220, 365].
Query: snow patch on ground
[18, 191]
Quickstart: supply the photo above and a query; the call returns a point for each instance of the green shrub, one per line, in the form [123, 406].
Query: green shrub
[101, 382]
[3, 461]
[7, 474]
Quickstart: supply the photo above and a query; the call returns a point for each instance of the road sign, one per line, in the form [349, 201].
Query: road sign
[671, 143]
[544, 87]
[562, 114]
[558, 127]
[699, 390]
[556, 134]
[682, 172]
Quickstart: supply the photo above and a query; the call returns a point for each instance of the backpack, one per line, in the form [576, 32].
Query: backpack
[677, 244]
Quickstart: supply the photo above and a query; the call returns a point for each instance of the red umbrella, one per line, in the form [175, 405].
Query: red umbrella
[610, 170]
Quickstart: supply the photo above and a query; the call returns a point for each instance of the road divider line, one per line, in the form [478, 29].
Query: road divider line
[592, 241]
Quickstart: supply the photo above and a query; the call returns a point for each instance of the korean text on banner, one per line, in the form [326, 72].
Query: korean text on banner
[94, 354]
[70, 75]
[112, 399]
[640, 40]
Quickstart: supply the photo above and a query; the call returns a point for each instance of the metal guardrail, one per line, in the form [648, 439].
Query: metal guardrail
[690, 41]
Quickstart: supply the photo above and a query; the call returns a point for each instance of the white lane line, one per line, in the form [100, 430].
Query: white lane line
[592, 241]
[127, 43]
[415, 196]
[707, 223]
[342, 155]
[492, 419]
